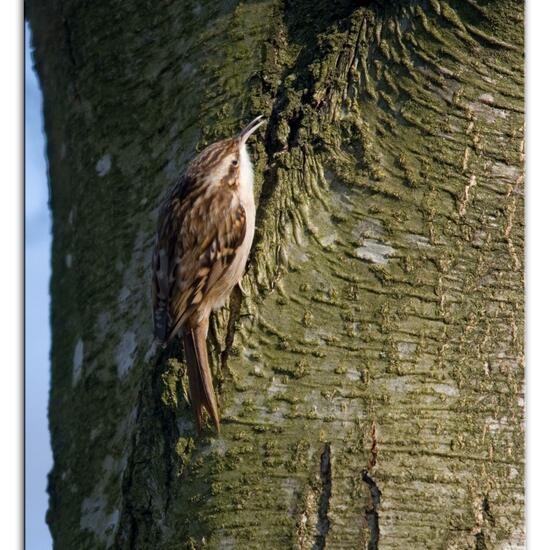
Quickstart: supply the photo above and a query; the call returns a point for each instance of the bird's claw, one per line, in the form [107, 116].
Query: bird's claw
[243, 291]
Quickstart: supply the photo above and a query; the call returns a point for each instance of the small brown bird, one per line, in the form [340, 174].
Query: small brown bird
[204, 235]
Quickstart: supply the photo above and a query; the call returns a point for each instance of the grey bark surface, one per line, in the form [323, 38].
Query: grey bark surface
[371, 375]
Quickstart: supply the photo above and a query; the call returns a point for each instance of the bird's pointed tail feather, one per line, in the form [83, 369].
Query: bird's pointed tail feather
[200, 379]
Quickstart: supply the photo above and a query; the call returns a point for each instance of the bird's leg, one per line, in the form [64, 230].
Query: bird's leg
[234, 314]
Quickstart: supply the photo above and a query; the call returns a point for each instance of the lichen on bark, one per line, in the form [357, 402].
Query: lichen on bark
[371, 386]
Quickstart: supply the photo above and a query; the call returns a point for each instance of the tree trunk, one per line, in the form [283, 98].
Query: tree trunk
[370, 375]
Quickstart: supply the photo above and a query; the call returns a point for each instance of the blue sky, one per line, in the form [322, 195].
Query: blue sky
[37, 303]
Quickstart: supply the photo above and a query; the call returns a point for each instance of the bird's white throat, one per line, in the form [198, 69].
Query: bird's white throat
[246, 177]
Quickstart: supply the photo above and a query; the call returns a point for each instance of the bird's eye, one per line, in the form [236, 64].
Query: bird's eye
[234, 162]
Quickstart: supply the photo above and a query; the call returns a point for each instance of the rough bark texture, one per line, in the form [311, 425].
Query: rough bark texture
[371, 377]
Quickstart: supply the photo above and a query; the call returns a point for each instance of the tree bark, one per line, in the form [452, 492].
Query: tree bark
[371, 374]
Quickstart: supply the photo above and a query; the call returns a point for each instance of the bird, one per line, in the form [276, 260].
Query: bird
[205, 230]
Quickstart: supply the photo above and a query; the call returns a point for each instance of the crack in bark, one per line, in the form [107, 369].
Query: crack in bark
[128, 529]
[323, 521]
[371, 512]
[127, 482]
[135, 506]
[480, 541]
[487, 519]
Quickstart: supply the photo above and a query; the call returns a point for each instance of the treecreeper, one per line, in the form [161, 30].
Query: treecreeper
[204, 234]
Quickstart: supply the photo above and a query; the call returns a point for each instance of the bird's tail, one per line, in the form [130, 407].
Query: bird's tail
[200, 378]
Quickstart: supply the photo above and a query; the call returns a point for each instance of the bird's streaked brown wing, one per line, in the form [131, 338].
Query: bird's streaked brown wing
[197, 241]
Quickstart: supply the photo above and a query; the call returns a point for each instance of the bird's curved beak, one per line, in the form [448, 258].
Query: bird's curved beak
[251, 128]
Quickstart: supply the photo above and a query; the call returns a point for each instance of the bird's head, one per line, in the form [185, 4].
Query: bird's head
[224, 161]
